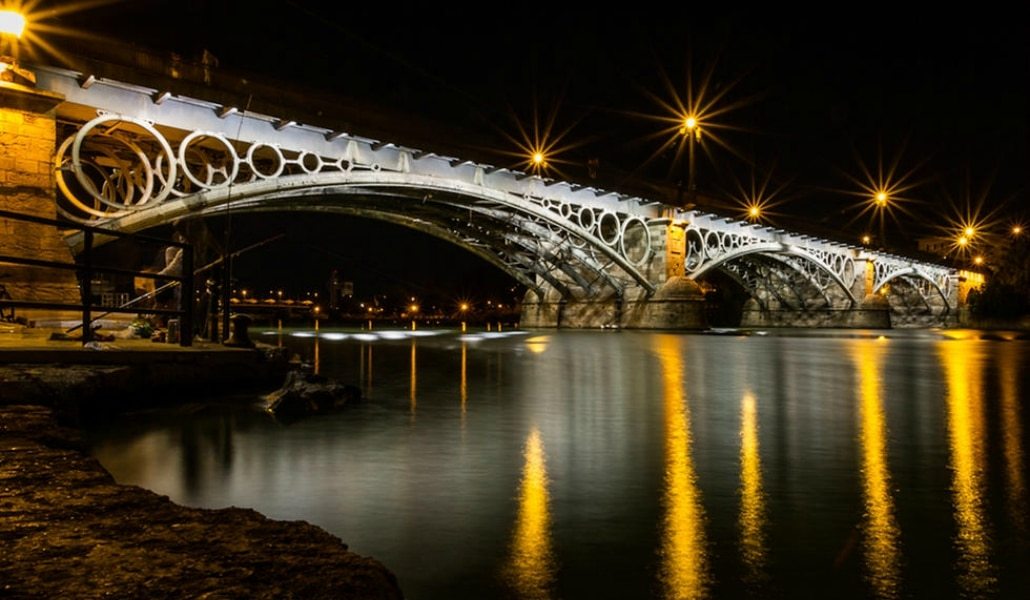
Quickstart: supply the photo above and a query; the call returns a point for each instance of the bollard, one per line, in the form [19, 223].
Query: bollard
[240, 337]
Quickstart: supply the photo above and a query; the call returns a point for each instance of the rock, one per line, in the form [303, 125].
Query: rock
[305, 394]
[70, 531]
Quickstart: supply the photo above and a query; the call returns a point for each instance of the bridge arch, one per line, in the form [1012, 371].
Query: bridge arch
[560, 251]
[775, 251]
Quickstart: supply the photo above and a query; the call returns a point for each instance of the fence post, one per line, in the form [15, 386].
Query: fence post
[186, 297]
[87, 286]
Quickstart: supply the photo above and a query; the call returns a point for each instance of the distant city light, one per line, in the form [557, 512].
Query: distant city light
[881, 198]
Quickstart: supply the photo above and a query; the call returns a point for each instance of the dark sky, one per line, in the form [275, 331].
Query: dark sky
[812, 93]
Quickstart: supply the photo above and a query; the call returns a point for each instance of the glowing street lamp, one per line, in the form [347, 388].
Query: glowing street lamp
[880, 199]
[12, 26]
[539, 160]
[754, 212]
[12, 23]
[1017, 230]
[691, 128]
[979, 260]
[866, 239]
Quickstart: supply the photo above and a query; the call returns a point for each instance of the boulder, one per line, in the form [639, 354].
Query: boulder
[306, 394]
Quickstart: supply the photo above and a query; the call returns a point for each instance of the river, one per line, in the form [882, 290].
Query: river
[619, 464]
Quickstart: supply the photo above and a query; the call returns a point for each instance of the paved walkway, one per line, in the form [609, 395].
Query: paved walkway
[20, 344]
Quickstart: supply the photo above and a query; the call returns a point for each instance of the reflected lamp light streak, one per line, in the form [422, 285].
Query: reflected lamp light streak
[532, 568]
[752, 497]
[962, 369]
[683, 552]
[880, 526]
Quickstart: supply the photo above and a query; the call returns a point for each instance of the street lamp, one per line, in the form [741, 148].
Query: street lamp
[690, 128]
[881, 202]
[12, 26]
[12, 23]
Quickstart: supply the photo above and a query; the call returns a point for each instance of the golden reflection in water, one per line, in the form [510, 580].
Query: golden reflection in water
[752, 498]
[881, 528]
[414, 378]
[531, 567]
[318, 365]
[464, 379]
[1008, 367]
[368, 378]
[962, 368]
[684, 561]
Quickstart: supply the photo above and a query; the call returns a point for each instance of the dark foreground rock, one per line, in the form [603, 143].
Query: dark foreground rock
[67, 530]
[306, 394]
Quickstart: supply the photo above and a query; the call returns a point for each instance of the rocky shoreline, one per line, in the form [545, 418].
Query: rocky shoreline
[68, 530]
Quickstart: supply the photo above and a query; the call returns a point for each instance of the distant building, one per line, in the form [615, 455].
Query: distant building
[940, 246]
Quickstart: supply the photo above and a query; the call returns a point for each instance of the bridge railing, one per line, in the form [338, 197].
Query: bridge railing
[86, 269]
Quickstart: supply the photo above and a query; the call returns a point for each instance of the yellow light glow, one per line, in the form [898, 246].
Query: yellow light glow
[979, 260]
[532, 567]
[752, 498]
[962, 361]
[318, 363]
[880, 527]
[1017, 230]
[1012, 436]
[969, 231]
[754, 212]
[463, 389]
[464, 306]
[963, 240]
[537, 344]
[689, 123]
[866, 239]
[12, 23]
[684, 560]
[538, 158]
[414, 377]
[881, 198]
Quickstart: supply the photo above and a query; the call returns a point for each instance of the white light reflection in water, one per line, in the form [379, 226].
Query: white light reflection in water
[880, 526]
[1012, 434]
[531, 568]
[683, 552]
[962, 368]
[752, 498]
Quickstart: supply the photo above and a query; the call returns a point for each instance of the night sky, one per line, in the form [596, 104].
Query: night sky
[810, 96]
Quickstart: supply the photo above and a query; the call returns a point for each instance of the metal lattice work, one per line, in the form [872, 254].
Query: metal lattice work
[132, 157]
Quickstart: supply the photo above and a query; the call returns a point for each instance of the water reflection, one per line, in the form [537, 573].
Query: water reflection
[531, 567]
[1008, 370]
[684, 560]
[880, 527]
[463, 390]
[317, 360]
[962, 367]
[414, 378]
[752, 498]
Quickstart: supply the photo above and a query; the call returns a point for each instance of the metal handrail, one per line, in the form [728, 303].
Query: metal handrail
[85, 270]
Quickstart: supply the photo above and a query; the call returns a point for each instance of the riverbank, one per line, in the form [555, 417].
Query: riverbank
[70, 531]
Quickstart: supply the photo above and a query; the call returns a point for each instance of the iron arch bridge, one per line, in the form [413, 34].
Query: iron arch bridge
[129, 158]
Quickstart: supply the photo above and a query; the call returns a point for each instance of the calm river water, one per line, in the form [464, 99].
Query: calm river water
[617, 464]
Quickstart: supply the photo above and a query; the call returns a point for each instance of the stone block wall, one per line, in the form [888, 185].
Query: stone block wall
[27, 144]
